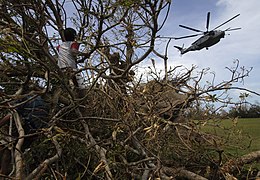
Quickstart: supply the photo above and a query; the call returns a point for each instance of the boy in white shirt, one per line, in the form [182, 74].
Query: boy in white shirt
[67, 56]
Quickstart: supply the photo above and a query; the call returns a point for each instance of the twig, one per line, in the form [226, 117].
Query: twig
[141, 161]
[90, 117]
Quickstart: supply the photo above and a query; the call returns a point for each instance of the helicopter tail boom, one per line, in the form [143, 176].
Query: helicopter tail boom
[178, 47]
[181, 49]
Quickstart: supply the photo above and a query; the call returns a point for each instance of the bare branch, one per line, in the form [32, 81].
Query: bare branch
[182, 173]
[233, 164]
[18, 148]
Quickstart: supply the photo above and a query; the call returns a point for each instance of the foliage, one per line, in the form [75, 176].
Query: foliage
[122, 127]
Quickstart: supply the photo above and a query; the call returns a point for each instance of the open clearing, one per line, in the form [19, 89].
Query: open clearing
[243, 135]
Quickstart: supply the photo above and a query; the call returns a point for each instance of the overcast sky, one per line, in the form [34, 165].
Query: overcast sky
[243, 44]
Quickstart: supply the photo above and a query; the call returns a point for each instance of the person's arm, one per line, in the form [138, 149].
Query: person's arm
[84, 56]
[74, 48]
[76, 52]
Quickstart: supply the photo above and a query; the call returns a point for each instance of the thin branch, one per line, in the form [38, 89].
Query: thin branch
[180, 172]
[18, 148]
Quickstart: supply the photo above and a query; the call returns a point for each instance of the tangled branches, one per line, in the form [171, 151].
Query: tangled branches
[110, 134]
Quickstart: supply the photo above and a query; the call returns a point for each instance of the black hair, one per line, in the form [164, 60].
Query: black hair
[70, 34]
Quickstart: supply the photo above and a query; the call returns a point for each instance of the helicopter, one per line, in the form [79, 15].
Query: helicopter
[209, 38]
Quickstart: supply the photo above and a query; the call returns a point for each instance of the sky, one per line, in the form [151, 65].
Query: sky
[243, 44]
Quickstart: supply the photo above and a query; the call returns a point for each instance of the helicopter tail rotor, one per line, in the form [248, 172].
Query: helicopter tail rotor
[181, 49]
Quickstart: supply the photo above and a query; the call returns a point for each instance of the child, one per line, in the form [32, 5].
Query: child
[67, 56]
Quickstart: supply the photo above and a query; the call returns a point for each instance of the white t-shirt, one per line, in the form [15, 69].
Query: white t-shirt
[66, 58]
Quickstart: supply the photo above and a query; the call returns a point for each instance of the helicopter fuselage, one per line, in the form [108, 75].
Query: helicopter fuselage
[209, 39]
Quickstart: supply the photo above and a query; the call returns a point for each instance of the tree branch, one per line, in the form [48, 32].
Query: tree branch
[233, 164]
[180, 172]
[18, 148]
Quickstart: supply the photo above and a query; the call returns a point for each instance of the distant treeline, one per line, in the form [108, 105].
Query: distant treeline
[245, 112]
[241, 111]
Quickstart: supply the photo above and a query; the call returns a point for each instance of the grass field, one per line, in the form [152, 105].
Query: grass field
[252, 128]
[243, 135]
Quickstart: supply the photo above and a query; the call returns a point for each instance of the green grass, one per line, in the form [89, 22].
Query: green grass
[252, 128]
[243, 135]
[238, 137]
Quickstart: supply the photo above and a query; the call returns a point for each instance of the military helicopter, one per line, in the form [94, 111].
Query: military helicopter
[208, 39]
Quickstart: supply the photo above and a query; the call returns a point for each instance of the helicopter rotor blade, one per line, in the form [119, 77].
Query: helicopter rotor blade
[208, 18]
[187, 36]
[233, 29]
[186, 27]
[226, 22]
